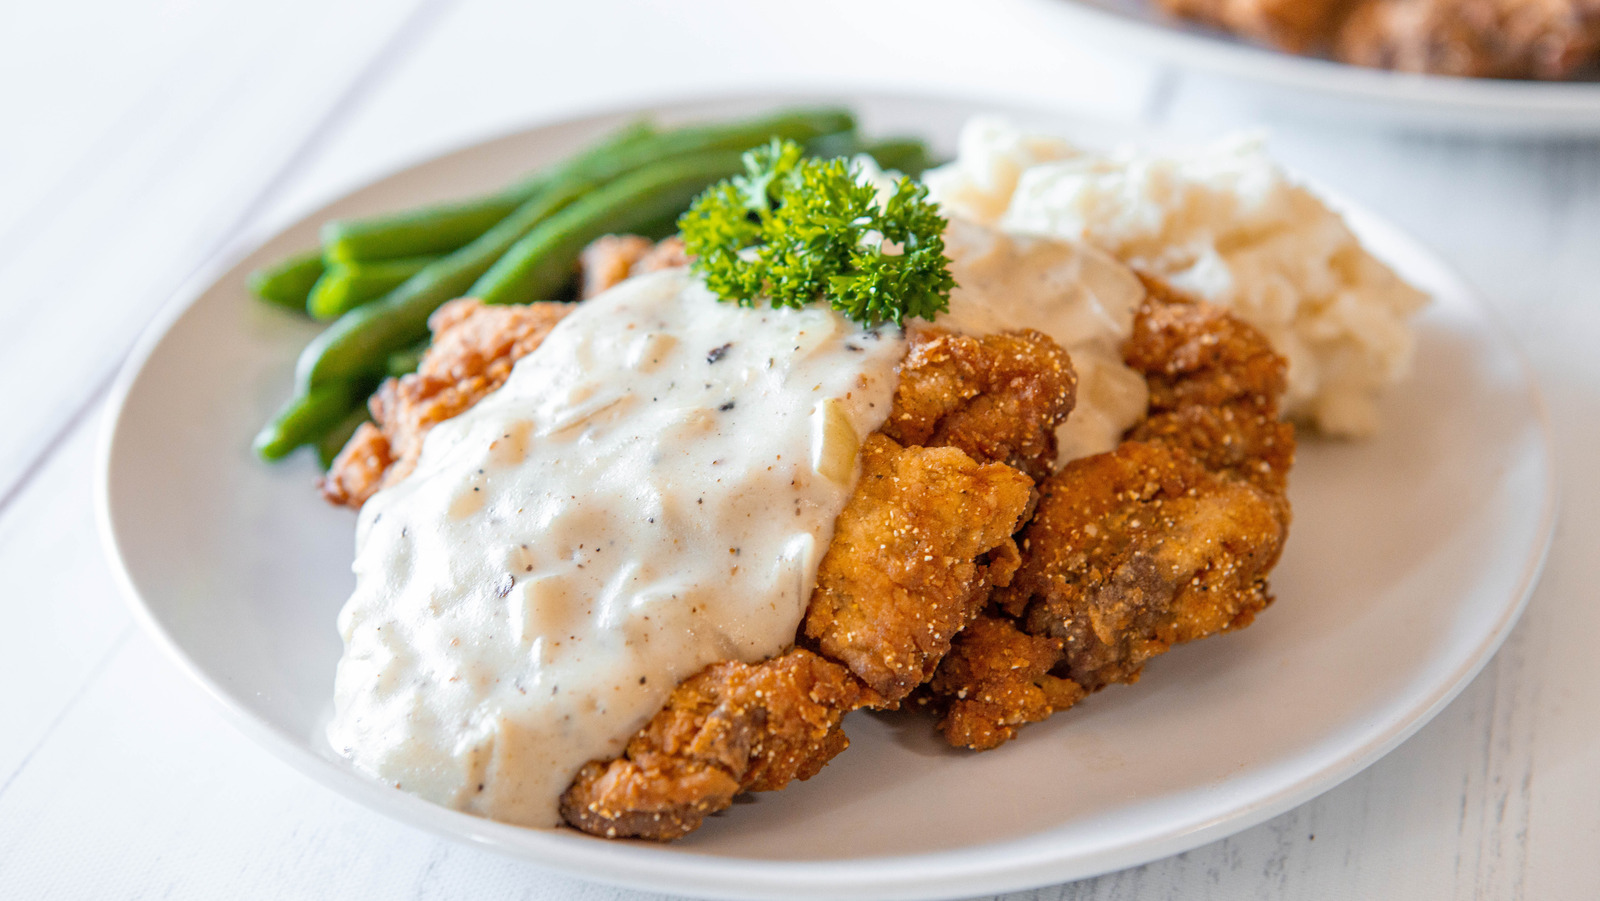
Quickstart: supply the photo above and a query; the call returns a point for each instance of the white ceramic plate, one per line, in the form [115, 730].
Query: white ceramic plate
[1411, 557]
[1319, 87]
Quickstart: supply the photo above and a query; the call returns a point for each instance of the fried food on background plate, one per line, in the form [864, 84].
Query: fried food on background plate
[1543, 39]
[1164, 540]
[1295, 25]
[1550, 40]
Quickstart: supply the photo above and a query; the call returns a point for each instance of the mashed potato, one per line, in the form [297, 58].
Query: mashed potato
[1222, 223]
[1079, 295]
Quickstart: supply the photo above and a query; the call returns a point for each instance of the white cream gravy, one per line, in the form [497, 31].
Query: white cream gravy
[649, 493]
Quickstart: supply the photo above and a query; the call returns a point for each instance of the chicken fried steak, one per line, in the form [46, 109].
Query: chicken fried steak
[1166, 539]
[917, 550]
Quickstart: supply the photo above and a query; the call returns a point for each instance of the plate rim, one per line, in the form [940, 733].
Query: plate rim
[898, 876]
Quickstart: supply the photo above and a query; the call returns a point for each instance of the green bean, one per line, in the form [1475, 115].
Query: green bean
[288, 282]
[908, 156]
[304, 419]
[797, 125]
[330, 444]
[425, 232]
[542, 262]
[405, 362]
[345, 286]
[359, 342]
[441, 228]
[836, 144]
[661, 227]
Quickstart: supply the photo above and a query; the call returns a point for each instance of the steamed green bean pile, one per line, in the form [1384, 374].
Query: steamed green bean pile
[377, 279]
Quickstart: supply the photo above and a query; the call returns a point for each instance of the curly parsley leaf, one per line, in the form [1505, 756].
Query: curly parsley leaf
[793, 231]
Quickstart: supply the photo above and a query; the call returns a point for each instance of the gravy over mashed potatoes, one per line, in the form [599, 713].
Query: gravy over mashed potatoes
[1222, 223]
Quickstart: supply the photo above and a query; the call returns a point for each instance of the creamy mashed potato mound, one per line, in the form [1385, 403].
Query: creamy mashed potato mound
[1077, 295]
[1222, 223]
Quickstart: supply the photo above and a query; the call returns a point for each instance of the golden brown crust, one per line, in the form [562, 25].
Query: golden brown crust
[919, 543]
[1140, 549]
[734, 727]
[995, 680]
[609, 260]
[922, 540]
[1215, 385]
[1166, 539]
[358, 470]
[612, 259]
[474, 347]
[999, 398]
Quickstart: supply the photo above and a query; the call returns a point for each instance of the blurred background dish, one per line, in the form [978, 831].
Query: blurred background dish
[1314, 87]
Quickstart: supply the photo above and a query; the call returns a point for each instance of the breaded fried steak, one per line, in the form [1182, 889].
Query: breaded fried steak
[919, 546]
[949, 579]
[925, 535]
[1164, 540]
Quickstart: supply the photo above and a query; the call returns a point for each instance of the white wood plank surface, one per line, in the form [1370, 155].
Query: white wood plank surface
[142, 164]
[119, 780]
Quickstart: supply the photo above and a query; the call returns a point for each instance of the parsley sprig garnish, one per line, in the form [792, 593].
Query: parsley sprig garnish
[793, 230]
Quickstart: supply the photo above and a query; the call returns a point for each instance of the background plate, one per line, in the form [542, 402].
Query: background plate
[1315, 87]
[1411, 557]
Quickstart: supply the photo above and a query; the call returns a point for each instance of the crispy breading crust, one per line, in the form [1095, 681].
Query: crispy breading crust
[733, 727]
[918, 547]
[474, 347]
[914, 555]
[1000, 680]
[1215, 385]
[1139, 549]
[1166, 539]
[999, 397]
[612, 259]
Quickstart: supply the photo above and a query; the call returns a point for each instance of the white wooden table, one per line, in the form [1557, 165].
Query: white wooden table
[139, 138]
